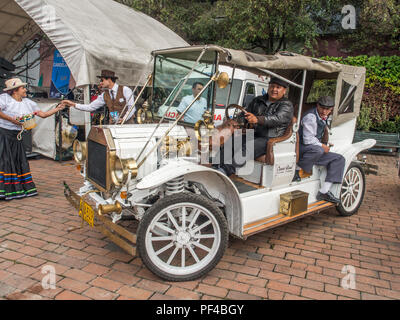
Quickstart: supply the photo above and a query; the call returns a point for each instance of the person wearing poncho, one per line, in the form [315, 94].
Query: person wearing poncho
[15, 176]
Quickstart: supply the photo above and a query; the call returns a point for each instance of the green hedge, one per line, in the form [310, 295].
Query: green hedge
[380, 107]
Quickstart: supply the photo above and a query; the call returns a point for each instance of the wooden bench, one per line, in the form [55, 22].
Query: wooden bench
[385, 142]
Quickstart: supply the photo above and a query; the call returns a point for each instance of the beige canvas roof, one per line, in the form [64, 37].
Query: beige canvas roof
[246, 59]
[288, 65]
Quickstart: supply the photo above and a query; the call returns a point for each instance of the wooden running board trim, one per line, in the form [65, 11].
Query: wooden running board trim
[251, 184]
[281, 219]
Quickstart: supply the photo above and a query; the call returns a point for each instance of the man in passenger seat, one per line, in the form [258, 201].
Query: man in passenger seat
[314, 152]
[270, 115]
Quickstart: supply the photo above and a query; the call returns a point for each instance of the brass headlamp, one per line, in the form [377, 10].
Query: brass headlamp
[144, 115]
[80, 151]
[120, 168]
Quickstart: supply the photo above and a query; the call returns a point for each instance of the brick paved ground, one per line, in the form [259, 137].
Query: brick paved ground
[302, 260]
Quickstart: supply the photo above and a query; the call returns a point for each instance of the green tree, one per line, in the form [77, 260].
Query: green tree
[378, 27]
[179, 15]
[268, 26]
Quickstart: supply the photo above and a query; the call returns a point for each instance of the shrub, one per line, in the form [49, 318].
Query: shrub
[380, 107]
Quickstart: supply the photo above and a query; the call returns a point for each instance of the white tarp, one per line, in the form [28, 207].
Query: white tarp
[91, 35]
[44, 135]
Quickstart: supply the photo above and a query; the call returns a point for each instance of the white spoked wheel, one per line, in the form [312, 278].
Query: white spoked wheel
[353, 189]
[182, 237]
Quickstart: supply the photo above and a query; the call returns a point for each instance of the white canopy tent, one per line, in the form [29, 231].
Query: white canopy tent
[91, 35]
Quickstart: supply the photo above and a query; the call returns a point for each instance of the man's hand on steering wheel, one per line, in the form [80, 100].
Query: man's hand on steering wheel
[251, 118]
[239, 115]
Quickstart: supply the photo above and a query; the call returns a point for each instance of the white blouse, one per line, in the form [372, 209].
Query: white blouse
[14, 108]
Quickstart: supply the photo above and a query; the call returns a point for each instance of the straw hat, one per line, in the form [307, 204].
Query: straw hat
[13, 84]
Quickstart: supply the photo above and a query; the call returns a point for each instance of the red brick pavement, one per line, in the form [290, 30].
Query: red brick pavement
[301, 260]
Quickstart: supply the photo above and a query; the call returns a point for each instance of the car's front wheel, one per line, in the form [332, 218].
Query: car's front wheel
[353, 189]
[182, 237]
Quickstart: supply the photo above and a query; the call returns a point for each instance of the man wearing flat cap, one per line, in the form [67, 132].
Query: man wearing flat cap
[270, 114]
[113, 100]
[314, 152]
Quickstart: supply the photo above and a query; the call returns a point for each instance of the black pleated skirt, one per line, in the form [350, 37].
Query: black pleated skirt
[15, 174]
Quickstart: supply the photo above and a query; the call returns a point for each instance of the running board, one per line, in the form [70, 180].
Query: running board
[281, 219]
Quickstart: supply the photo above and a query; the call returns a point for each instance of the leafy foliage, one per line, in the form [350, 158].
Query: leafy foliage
[379, 69]
[266, 26]
[378, 27]
[380, 106]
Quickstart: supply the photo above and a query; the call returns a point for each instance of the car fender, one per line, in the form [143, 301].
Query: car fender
[355, 148]
[217, 185]
[349, 153]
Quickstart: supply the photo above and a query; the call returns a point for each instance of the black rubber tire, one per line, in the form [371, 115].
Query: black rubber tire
[171, 200]
[340, 208]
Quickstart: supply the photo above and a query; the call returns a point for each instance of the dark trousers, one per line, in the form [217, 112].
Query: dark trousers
[240, 153]
[311, 155]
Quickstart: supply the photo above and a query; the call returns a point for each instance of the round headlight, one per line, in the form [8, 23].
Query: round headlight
[120, 169]
[80, 151]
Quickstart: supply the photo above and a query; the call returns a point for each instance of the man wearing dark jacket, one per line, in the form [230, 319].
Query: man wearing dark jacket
[270, 115]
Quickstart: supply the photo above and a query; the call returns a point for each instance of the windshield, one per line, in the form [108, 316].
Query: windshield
[222, 94]
[171, 97]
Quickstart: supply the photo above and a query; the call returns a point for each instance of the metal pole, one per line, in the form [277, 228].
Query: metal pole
[300, 102]
[280, 77]
[125, 117]
[59, 136]
[230, 87]
[86, 99]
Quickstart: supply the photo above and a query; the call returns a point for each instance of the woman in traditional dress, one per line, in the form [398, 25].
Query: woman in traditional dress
[15, 176]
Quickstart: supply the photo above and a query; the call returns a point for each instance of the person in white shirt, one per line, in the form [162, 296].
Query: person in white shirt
[196, 111]
[315, 151]
[15, 176]
[117, 100]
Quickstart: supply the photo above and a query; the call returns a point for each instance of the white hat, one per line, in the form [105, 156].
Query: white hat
[13, 84]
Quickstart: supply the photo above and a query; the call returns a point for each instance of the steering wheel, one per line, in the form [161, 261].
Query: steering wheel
[238, 116]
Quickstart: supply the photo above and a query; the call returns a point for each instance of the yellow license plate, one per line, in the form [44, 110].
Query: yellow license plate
[86, 212]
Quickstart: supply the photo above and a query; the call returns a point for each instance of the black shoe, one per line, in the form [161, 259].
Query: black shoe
[296, 177]
[327, 197]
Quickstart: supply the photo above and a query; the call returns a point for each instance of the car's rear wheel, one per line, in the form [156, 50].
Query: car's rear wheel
[352, 191]
[182, 237]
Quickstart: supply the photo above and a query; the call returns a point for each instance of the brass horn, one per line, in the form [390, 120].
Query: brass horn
[109, 208]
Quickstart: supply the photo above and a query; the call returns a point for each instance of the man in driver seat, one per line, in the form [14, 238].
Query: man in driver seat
[270, 115]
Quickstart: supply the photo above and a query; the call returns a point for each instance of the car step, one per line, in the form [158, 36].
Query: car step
[281, 219]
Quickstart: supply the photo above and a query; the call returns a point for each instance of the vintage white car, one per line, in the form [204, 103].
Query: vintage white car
[157, 172]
